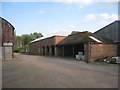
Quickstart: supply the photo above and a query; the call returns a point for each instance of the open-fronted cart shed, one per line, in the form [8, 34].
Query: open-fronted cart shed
[89, 45]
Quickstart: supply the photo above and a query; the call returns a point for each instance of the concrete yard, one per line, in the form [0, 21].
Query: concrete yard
[29, 71]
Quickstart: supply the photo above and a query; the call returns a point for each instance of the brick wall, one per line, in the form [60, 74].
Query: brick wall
[101, 50]
[35, 48]
[58, 39]
[48, 41]
[7, 32]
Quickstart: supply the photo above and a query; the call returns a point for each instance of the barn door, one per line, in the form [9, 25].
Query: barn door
[8, 52]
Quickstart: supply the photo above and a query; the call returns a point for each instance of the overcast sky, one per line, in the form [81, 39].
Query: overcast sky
[59, 17]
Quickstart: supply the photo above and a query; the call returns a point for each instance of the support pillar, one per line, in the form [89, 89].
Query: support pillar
[56, 51]
[45, 50]
[63, 51]
[50, 50]
[87, 52]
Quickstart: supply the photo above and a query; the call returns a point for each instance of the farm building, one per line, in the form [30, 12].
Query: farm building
[90, 46]
[45, 45]
[112, 32]
[6, 39]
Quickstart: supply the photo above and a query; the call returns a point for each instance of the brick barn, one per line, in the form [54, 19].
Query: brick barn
[6, 39]
[91, 46]
[45, 45]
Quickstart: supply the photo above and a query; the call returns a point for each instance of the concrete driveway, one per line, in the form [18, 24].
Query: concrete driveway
[29, 71]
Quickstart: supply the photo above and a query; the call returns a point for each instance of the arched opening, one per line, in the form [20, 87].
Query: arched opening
[47, 48]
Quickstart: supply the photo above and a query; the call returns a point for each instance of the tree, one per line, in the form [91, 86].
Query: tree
[35, 35]
[21, 43]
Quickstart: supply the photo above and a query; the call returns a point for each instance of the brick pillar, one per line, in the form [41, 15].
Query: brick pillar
[50, 50]
[40, 51]
[87, 52]
[56, 52]
[45, 50]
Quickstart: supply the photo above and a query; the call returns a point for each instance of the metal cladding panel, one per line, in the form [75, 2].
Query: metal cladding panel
[111, 31]
[8, 52]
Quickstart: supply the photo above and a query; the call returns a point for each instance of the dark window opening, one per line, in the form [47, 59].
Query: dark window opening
[43, 50]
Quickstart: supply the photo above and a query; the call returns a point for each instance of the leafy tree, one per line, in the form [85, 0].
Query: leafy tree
[35, 35]
[21, 43]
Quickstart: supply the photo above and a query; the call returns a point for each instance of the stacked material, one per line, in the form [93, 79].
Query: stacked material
[80, 56]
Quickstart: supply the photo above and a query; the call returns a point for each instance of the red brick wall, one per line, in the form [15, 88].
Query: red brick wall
[7, 32]
[35, 48]
[48, 41]
[58, 39]
[101, 50]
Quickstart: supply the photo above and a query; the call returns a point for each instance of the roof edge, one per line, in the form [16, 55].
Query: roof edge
[107, 26]
[7, 22]
[45, 38]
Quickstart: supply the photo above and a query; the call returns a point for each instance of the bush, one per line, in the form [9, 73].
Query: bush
[20, 50]
[17, 50]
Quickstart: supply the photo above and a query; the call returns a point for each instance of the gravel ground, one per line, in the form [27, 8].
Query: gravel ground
[29, 71]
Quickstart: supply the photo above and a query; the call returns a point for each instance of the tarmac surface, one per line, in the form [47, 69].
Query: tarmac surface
[30, 71]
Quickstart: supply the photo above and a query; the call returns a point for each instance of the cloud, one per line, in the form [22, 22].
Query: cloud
[79, 3]
[114, 16]
[102, 23]
[102, 16]
[71, 26]
[105, 18]
[90, 17]
[60, 32]
[86, 1]
[109, 16]
[41, 12]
